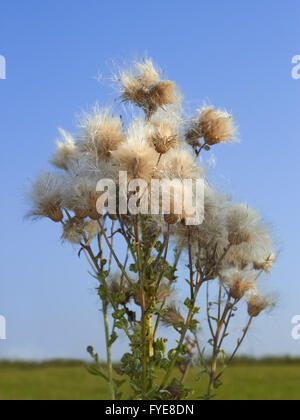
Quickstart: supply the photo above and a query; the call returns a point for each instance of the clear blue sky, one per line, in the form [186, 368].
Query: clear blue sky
[233, 54]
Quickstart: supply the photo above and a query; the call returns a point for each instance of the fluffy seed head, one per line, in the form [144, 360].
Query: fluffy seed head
[136, 156]
[164, 291]
[75, 229]
[250, 239]
[211, 237]
[257, 304]
[172, 317]
[267, 264]
[240, 288]
[239, 282]
[81, 196]
[66, 151]
[179, 163]
[144, 88]
[163, 138]
[102, 133]
[242, 223]
[214, 126]
[46, 197]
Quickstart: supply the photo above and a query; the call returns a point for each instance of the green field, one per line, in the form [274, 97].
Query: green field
[264, 380]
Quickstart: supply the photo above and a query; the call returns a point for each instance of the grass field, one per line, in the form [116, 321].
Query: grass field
[264, 380]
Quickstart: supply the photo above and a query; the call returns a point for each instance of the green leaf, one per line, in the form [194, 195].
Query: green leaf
[96, 372]
[218, 384]
[113, 338]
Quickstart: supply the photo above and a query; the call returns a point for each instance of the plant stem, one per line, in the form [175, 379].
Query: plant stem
[144, 330]
[216, 349]
[112, 244]
[182, 337]
[159, 318]
[191, 263]
[167, 241]
[94, 263]
[114, 254]
[240, 342]
[90, 256]
[108, 350]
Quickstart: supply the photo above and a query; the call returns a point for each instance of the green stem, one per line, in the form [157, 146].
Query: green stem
[144, 344]
[216, 349]
[182, 337]
[158, 319]
[108, 351]
[112, 245]
[114, 254]
[240, 342]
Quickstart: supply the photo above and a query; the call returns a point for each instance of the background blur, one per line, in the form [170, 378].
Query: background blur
[232, 54]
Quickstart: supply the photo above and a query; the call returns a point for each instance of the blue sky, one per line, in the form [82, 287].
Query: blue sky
[233, 54]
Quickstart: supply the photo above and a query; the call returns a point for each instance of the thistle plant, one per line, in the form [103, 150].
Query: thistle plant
[140, 259]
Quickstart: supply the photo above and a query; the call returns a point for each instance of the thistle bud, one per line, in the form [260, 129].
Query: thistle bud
[90, 350]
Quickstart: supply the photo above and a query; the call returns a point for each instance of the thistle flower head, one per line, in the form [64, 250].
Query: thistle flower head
[46, 197]
[163, 138]
[77, 230]
[136, 156]
[66, 151]
[211, 237]
[101, 134]
[143, 75]
[144, 88]
[73, 231]
[242, 223]
[81, 196]
[267, 264]
[239, 282]
[250, 240]
[257, 304]
[91, 228]
[179, 163]
[214, 126]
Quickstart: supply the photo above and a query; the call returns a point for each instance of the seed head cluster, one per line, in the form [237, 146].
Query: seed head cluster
[231, 244]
